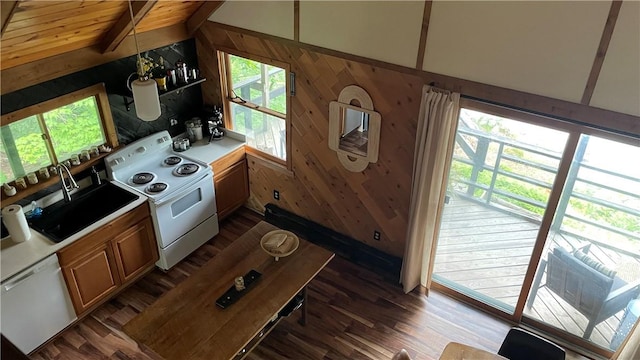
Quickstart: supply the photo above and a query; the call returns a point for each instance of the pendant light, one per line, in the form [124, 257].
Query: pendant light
[145, 92]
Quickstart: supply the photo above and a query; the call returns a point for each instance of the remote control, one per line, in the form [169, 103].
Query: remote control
[232, 295]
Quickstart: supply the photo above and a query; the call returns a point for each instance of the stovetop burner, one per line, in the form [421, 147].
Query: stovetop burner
[172, 160]
[186, 169]
[157, 187]
[142, 178]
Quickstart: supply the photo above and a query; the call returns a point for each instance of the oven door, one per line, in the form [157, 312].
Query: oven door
[183, 210]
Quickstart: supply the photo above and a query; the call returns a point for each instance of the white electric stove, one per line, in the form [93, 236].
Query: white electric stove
[180, 192]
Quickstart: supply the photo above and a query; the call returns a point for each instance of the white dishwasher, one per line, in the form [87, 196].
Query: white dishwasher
[35, 305]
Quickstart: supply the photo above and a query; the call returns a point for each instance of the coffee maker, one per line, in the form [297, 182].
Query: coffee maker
[214, 122]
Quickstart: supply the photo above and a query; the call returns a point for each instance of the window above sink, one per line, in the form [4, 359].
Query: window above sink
[51, 132]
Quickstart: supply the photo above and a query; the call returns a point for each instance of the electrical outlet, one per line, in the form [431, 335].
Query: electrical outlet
[276, 194]
[376, 235]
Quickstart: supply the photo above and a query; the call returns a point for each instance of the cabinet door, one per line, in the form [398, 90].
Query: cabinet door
[135, 250]
[90, 278]
[232, 188]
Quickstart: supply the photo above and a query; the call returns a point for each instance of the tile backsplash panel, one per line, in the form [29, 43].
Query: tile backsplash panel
[114, 75]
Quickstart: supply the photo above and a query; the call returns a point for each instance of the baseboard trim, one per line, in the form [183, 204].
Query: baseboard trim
[353, 250]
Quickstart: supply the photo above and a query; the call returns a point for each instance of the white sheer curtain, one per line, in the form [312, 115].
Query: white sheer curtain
[434, 146]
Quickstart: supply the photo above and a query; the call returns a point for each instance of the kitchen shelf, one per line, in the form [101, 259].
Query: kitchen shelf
[177, 89]
[52, 180]
[163, 93]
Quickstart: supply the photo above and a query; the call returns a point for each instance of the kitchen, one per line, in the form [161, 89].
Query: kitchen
[327, 199]
[29, 266]
[154, 208]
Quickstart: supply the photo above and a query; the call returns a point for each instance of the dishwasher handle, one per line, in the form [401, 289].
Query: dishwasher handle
[51, 262]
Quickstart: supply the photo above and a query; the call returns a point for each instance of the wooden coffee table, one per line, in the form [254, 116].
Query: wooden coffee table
[185, 323]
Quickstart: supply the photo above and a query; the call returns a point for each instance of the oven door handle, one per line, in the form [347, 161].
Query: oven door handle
[181, 193]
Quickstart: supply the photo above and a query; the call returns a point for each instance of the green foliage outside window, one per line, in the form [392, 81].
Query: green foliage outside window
[72, 128]
[460, 175]
[262, 86]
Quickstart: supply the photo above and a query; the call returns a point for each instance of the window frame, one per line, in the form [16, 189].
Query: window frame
[225, 87]
[97, 91]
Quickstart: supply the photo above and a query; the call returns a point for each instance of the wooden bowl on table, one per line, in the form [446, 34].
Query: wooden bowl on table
[279, 243]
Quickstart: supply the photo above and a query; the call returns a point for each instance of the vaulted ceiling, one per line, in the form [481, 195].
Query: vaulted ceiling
[35, 30]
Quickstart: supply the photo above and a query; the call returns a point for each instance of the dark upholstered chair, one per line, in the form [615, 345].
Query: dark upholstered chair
[595, 294]
[523, 345]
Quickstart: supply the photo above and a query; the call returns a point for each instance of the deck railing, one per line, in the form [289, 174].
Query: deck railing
[267, 135]
[532, 169]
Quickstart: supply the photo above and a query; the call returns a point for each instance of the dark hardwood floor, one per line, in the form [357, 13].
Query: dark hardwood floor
[353, 314]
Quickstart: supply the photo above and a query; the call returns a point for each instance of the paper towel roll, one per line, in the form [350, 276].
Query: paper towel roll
[15, 221]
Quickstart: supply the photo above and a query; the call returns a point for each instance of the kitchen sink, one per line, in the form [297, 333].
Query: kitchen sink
[63, 219]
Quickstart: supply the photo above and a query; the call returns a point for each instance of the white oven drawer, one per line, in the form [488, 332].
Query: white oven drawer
[178, 213]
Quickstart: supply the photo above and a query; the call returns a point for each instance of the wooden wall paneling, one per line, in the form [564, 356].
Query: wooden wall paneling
[378, 198]
[124, 25]
[602, 51]
[354, 204]
[36, 72]
[208, 63]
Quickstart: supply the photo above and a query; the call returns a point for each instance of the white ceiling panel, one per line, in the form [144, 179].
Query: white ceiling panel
[382, 30]
[540, 47]
[268, 17]
[618, 87]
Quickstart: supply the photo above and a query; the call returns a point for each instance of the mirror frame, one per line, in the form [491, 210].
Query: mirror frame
[337, 109]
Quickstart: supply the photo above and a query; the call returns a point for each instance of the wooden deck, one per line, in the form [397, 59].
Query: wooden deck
[484, 253]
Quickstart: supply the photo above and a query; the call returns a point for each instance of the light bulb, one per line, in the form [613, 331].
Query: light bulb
[145, 97]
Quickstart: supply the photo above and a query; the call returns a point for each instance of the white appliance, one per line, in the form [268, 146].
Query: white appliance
[35, 305]
[180, 192]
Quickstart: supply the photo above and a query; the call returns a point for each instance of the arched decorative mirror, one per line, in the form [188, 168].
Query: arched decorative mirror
[354, 128]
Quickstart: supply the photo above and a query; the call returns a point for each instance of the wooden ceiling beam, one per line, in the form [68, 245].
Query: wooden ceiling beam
[123, 26]
[201, 15]
[7, 10]
[424, 30]
[605, 39]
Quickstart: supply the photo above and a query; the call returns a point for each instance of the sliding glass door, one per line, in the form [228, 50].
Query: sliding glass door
[541, 222]
[589, 273]
[500, 179]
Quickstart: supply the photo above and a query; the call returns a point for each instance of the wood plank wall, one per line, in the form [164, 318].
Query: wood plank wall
[319, 188]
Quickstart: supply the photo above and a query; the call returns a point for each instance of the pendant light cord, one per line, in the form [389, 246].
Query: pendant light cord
[135, 40]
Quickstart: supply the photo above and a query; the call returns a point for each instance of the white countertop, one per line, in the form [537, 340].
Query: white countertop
[15, 256]
[209, 152]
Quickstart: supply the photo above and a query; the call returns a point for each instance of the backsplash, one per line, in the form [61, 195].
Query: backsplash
[182, 106]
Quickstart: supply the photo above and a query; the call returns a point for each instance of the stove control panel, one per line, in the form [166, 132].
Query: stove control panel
[117, 161]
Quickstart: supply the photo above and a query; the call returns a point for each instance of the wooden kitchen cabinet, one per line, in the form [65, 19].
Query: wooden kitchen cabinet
[135, 250]
[231, 181]
[109, 258]
[90, 277]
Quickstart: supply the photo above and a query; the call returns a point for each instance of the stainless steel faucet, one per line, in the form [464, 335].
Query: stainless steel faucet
[66, 189]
